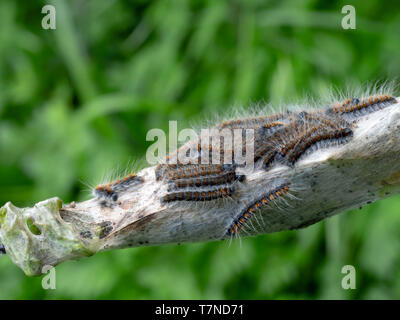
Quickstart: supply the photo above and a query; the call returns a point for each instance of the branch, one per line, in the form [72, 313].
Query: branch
[326, 182]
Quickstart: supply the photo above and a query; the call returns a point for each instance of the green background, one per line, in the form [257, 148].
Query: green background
[76, 103]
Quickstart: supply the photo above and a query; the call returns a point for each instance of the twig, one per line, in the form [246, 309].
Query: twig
[330, 181]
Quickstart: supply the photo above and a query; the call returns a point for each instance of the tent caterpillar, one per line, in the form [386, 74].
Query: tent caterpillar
[110, 190]
[176, 172]
[255, 207]
[224, 178]
[201, 195]
[354, 108]
[315, 137]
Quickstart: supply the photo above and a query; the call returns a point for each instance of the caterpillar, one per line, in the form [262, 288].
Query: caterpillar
[315, 136]
[291, 144]
[204, 195]
[338, 107]
[305, 125]
[2, 249]
[260, 129]
[176, 172]
[277, 143]
[317, 117]
[261, 146]
[106, 192]
[276, 136]
[354, 108]
[224, 178]
[269, 122]
[246, 214]
[164, 170]
[110, 190]
[269, 128]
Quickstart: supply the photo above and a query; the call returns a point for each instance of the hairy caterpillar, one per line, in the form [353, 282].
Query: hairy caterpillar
[110, 190]
[283, 138]
[106, 192]
[261, 147]
[224, 178]
[319, 118]
[354, 108]
[199, 195]
[246, 214]
[185, 171]
[268, 122]
[315, 136]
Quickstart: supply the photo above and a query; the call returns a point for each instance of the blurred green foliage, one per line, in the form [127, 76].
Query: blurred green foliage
[76, 102]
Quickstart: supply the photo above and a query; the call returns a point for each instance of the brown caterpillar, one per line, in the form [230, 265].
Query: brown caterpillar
[224, 178]
[269, 122]
[167, 169]
[278, 142]
[338, 107]
[192, 171]
[316, 136]
[204, 195]
[106, 192]
[306, 125]
[110, 190]
[319, 118]
[261, 147]
[354, 108]
[257, 205]
[269, 128]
